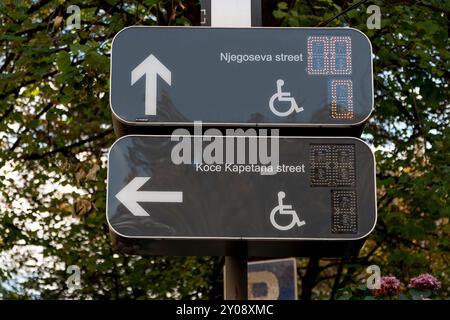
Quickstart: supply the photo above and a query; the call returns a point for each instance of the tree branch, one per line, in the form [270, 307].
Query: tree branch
[38, 5]
[37, 156]
[309, 279]
[19, 138]
[326, 22]
[337, 280]
[23, 84]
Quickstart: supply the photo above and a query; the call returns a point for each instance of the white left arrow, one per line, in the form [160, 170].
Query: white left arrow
[151, 67]
[130, 196]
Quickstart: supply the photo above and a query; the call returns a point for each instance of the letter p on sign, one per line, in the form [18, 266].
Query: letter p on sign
[272, 280]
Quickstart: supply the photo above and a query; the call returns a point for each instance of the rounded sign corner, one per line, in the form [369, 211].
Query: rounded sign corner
[120, 33]
[369, 114]
[364, 35]
[116, 116]
[116, 142]
[372, 228]
[363, 143]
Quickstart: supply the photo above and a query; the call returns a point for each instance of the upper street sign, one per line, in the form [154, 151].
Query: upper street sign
[199, 195]
[270, 77]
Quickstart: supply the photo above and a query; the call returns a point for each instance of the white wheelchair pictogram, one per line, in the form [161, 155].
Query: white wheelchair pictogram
[283, 97]
[285, 210]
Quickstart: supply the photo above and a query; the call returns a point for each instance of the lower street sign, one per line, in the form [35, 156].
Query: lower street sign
[208, 195]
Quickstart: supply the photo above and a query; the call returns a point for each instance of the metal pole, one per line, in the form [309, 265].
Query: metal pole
[235, 278]
[233, 13]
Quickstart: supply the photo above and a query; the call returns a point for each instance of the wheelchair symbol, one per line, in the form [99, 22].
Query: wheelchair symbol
[287, 210]
[283, 96]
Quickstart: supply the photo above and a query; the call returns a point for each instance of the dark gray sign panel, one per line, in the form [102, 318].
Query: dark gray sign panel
[163, 197]
[271, 77]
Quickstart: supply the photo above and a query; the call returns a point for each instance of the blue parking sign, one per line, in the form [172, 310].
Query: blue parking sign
[272, 279]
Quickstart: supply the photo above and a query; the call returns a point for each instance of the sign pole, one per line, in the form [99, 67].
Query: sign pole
[233, 13]
[235, 277]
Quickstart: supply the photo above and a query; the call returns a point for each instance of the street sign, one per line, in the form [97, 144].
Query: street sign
[272, 279]
[235, 77]
[201, 195]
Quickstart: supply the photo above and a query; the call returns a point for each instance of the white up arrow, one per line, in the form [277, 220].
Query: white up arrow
[151, 67]
[130, 196]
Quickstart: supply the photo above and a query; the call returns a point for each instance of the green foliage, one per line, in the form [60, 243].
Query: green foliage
[55, 131]
[56, 128]
[409, 129]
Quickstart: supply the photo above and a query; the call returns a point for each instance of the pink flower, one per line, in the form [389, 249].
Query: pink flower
[389, 286]
[425, 281]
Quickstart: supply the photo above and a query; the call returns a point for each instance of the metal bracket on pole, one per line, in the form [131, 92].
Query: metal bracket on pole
[232, 13]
